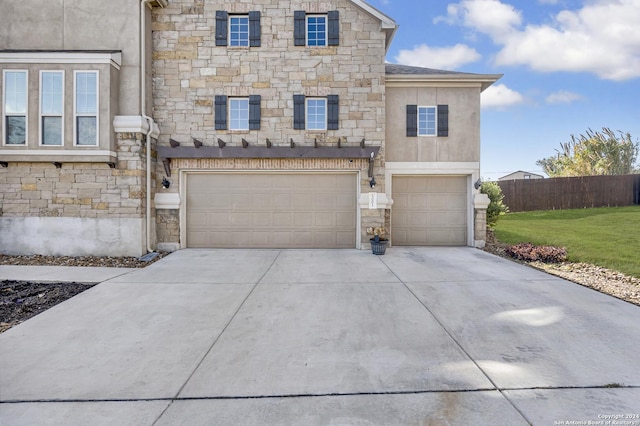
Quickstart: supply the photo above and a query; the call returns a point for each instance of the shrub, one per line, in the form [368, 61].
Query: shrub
[530, 253]
[496, 207]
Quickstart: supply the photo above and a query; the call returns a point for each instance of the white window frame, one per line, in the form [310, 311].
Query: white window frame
[307, 113]
[243, 16]
[75, 107]
[230, 120]
[43, 115]
[6, 114]
[435, 120]
[326, 29]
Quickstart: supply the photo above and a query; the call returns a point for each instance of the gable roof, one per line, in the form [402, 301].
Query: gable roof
[401, 74]
[389, 26]
[506, 177]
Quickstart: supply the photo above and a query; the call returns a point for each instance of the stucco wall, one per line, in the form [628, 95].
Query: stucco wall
[463, 142]
[79, 25]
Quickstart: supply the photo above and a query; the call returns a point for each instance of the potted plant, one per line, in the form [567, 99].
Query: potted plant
[378, 242]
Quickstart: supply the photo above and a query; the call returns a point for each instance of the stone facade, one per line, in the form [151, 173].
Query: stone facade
[88, 195]
[189, 70]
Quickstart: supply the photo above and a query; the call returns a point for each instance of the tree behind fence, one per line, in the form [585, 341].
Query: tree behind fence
[571, 193]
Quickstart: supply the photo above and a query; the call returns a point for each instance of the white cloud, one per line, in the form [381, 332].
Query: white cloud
[600, 38]
[486, 16]
[500, 96]
[563, 97]
[438, 57]
[548, 1]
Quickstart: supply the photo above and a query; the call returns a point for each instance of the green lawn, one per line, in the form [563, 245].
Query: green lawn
[607, 237]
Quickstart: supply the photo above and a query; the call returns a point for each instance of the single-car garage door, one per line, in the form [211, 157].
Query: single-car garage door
[429, 211]
[271, 210]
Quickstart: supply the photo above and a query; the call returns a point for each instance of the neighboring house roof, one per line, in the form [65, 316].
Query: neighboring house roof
[409, 74]
[512, 175]
[389, 26]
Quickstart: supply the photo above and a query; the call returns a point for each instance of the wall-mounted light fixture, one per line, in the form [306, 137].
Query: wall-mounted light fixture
[165, 182]
[372, 182]
[478, 184]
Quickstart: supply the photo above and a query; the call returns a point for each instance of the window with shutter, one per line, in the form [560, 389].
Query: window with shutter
[316, 30]
[238, 30]
[427, 120]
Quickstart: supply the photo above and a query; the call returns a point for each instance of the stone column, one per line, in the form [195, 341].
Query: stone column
[480, 205]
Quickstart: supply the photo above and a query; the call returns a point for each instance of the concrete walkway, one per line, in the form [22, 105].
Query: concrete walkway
[450, 336]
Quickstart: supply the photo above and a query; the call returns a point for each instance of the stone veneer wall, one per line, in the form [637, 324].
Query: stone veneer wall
[77, 209]
[189, 70]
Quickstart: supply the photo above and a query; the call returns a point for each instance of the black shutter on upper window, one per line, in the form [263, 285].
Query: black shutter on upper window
[254, 112]
[412, 120]
[221, 112]
[221, 27]
[298, 112]
[254, 29]
[333, 28]
[333, 112]
[443, 120]
[300, 28]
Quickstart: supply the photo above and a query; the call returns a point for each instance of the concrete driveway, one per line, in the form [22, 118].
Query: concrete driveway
[450, 336]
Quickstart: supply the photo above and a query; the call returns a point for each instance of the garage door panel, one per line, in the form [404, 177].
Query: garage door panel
[271, 210]
[345, 220]
[417, 219]
[429, 210]
[282, 219]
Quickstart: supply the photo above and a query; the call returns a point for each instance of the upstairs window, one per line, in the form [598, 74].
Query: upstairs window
[312, 113]
[51, 107]
[86, 108]
[316, 114]
[237, 113]
[15, 107]
[238, 30]
[427, 120]
[316, 30]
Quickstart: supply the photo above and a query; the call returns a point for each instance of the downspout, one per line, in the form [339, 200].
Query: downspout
[149, 120]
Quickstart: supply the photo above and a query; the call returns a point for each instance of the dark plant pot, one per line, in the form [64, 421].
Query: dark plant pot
[378, 246]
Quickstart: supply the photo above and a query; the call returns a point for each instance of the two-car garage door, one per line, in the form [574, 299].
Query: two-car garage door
[429, 210]
[271, 210]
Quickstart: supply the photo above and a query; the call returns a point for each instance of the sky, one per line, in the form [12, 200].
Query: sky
[568, 65]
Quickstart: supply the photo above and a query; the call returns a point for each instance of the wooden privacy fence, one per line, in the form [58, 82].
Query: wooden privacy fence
[571, 193]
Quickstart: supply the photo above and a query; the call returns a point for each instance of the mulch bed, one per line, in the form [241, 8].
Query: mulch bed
[20, 300]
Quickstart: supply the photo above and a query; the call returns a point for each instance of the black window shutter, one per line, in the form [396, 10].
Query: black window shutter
[254, 112]
[300, 28]
[334, 28]
[298, 112]
[443, 120]
[412, 120]
[333, 112]
[221, 112]
[254, 29]
[221, 27]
